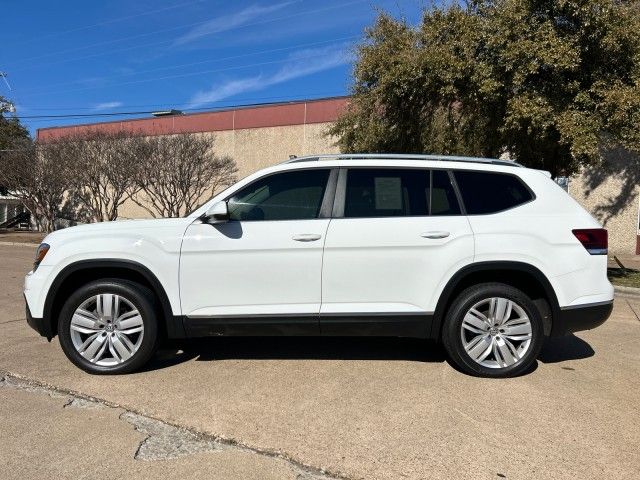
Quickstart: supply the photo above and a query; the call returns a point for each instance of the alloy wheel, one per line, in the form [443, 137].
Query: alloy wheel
[496, 332]
[107, 329]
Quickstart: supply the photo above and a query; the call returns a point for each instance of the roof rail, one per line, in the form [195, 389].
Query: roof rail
[400, 156]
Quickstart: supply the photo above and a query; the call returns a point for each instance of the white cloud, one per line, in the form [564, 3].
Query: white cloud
[299, 64]
[229, 22]
[107, 105]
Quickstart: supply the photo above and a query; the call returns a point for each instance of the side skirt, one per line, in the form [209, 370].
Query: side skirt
[378, 325]
[256, 325]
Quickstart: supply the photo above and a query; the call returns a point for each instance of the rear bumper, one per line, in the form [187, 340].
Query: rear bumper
[581, 317]
[37, 324]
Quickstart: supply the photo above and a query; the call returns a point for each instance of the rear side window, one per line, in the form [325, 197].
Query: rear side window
[386, 192]
[486, 192]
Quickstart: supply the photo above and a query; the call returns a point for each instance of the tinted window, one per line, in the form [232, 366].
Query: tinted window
[283, 196]
[443, 196]
[484, 192]
[386, 192]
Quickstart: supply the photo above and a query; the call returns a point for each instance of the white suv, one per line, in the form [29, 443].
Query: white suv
[484, 255]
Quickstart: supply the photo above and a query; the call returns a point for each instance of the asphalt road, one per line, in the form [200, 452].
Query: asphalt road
[295, 408]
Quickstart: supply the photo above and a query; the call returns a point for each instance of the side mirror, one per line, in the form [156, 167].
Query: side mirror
[218, 213]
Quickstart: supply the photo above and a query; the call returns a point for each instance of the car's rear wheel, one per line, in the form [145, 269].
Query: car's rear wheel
[109, 326]
[493, 330]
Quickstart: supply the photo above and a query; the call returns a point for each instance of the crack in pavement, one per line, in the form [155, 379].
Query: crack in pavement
[75, 402]
[632, 309]
[13, 321]
[13, 382]
[163, 440]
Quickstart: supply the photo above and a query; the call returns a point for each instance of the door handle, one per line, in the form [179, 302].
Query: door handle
[306, 237]
[434, 235]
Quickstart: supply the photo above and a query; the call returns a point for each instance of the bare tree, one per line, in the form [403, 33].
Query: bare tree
[39, 175]
[93, 175]
[105, 166]
[177, 171]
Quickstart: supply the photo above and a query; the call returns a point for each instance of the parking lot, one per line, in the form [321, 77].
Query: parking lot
[353, 408]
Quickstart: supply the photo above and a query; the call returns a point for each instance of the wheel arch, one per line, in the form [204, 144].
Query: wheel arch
[82, 272]
[521, 275]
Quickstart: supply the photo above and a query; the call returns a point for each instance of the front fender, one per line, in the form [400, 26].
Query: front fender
[174, 328]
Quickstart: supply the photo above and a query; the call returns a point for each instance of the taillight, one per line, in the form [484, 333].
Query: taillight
[595, 240]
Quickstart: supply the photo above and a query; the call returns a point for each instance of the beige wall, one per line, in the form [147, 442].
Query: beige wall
[257, 148]
[622, 221]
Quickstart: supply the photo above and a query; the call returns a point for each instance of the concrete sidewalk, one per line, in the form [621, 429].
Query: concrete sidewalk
[55, 435]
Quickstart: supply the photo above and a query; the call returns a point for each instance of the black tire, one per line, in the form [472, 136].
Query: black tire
[452, 330]
[141, 298]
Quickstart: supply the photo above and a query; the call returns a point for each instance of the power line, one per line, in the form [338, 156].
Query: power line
[105, 22]
[305, 96]
[85, 115]
[122, 39]
[148, 112]
[233, 57]
[307, 12]
[182, 75]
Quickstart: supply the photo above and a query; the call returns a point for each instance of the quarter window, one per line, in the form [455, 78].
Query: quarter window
[485, 192]
[386, 192]
[295, 195]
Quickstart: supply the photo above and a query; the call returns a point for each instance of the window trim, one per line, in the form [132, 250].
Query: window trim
[326, 205]
[456, 189]
[464, 208]
[328, 200]
[341, 194]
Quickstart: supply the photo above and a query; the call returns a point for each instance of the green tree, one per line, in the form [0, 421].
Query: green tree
[11, 130]
[556, 84]
[13, 135]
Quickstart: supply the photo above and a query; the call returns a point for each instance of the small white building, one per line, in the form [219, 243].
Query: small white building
[10, 207]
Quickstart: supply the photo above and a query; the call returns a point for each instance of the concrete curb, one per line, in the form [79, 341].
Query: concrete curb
[20, 244]
[635, 292]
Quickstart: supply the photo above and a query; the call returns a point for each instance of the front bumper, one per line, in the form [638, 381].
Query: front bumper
[38, 324]
[581, 317]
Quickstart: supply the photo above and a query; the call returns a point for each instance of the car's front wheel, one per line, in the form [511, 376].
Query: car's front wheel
[493, 330]
[109, 326]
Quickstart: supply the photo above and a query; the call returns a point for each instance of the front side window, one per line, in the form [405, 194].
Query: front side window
[295, 195]
[487, 192]
[386, 192]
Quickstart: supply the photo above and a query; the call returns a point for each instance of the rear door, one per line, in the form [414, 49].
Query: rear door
[395, 235]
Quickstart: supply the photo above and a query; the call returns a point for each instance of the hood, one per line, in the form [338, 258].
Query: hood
[118, 227]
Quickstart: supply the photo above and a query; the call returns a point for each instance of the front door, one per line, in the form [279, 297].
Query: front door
[396, 236]
[262, 268]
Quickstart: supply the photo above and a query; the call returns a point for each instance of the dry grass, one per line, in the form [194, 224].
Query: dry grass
[625, 277]
[21, 237]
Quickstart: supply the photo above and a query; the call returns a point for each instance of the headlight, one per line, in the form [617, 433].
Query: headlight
[40, 253]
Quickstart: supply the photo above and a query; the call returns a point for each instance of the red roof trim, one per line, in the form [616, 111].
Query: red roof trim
[269, 115]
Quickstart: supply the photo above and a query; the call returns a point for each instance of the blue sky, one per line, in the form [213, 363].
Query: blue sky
[72, 57]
